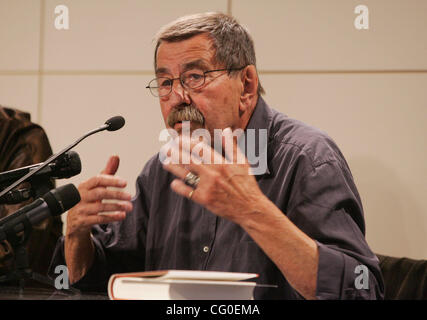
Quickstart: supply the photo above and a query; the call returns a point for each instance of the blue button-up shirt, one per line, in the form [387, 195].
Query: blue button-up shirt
[306, 177]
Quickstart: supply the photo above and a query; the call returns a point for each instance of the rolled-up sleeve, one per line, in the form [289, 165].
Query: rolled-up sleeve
[327, 207]
[341, 276]
[94, 279]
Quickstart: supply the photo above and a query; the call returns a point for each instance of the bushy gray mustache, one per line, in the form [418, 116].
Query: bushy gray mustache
[187, 113]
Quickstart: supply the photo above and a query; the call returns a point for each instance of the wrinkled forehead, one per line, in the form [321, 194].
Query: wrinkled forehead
[196, 51]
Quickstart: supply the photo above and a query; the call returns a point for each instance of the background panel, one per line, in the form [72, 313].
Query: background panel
[19, 34]
[320, 35]
[378, 121]
[95, 70]
[74, 105]
[20, 92]
[111, 34]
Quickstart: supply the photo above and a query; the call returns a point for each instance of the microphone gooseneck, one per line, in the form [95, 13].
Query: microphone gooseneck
[112, 124]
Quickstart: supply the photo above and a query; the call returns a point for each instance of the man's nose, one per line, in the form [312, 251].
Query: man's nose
[179, 91]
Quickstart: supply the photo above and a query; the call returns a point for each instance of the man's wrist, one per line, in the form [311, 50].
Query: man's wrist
[261, 212]
[79, 255]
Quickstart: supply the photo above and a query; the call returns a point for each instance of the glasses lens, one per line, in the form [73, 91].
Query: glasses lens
[193, 78]
[160, 87]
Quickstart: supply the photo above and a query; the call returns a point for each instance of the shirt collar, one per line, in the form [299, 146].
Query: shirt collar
[260, 119]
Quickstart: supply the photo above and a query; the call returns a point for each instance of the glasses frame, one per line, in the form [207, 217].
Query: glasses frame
[182, 82]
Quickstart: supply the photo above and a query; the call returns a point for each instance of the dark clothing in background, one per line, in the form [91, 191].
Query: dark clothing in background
[24, 143]
[307, 178]
[405, 278]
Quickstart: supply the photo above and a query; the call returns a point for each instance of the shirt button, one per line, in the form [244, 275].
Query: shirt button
[205, 249]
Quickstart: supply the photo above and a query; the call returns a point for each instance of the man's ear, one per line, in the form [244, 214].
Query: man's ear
[249, 94]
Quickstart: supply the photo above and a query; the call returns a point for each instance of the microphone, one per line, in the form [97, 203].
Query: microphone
[53, 203]
[64, 167]
[112, 124]
[115, 123]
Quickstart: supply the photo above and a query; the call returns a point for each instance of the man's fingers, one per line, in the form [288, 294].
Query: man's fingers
[102, 207]
[183, 150]
[177, 170]
[92, 209]
[103, 180]
[201, 152]
[231, 147]
[101, 193]
[182, 189]
[181, 170]
[103, 218]
[84, 216]
[112, 165]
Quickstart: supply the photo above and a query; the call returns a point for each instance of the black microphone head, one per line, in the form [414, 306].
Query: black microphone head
[115, 123]
[62, 199]
[75, 164]
[67, 166]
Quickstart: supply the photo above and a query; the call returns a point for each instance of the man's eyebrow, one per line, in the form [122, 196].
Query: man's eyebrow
[196, 64]
[162, 70]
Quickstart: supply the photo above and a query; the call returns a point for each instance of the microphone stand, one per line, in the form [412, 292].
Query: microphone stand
[17, 196]
[22, 271]
[39, 186]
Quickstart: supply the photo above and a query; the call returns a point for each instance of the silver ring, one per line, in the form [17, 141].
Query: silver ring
[192, 180]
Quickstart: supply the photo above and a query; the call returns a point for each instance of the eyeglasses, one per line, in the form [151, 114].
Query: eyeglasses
[191, 79]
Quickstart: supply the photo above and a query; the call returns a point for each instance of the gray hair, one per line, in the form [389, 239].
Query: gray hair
[232, 42]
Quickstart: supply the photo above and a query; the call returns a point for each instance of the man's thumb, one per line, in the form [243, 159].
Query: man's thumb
[112, 165]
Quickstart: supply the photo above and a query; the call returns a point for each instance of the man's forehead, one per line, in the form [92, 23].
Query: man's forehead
[195, 64]
[195, 52]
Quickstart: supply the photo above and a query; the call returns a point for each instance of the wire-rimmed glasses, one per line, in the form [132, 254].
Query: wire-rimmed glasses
[191, 79]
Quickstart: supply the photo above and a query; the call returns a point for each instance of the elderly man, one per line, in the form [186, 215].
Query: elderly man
[299, 224]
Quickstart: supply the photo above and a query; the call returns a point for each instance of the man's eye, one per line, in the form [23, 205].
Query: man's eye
[195, 76]
[165, 83]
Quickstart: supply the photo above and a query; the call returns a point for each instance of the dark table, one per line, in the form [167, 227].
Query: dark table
[34, 293]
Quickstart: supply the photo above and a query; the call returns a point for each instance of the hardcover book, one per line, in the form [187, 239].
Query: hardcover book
[181, 285]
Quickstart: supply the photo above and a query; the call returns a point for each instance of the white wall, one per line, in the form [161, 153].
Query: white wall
[366, 88]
